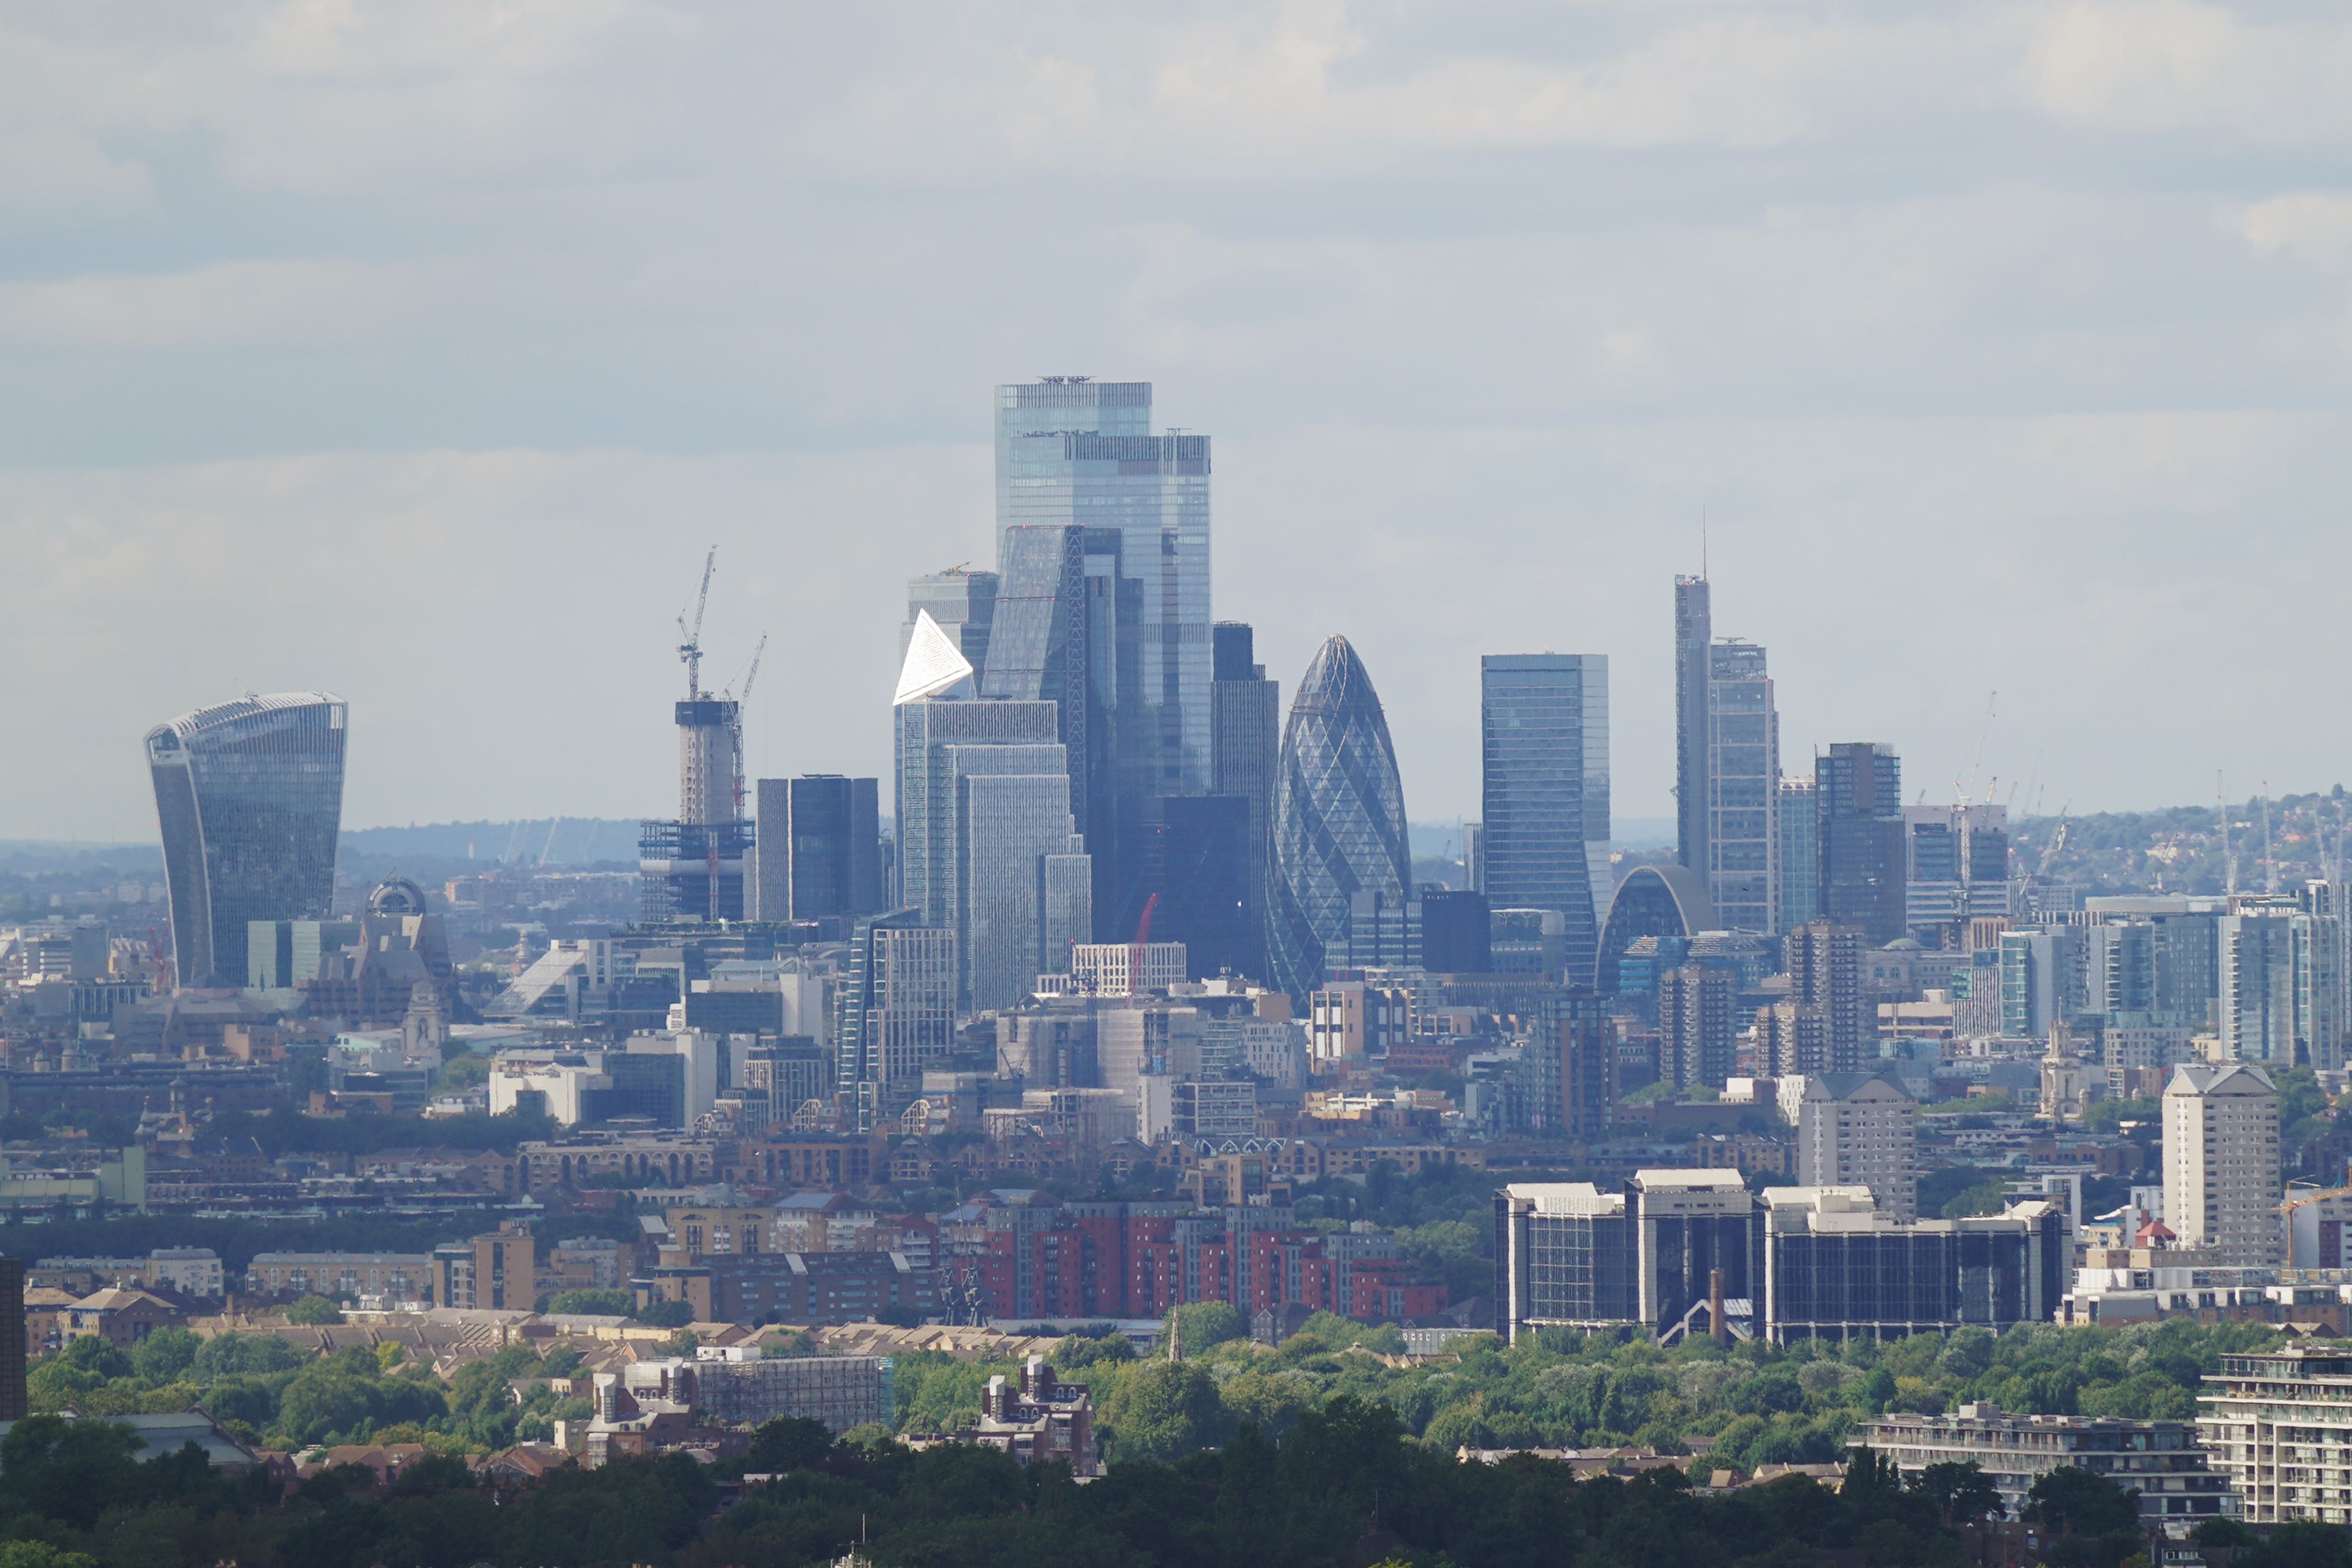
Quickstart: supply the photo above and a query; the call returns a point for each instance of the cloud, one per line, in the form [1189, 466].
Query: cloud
[2137, 66]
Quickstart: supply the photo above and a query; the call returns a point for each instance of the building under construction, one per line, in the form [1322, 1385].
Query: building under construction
[692, 868]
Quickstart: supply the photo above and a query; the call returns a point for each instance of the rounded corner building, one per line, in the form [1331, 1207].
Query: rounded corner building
[1338, 816]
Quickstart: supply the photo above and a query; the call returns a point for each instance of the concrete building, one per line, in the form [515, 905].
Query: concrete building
[2221, 1174]
[498, 1270]
[1697, 1031]
[1857, 1129]
[1107, 969]
[2160, 1460]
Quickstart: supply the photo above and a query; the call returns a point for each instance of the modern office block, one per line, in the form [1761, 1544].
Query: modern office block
[1025, 888]
[1858, 799]
[1743, 785]
[962, 605]
[249, 795]
[1339, 823]
[1544, 730]
[1055, 628]
[817, 848]
[1860, 1129]
[1697, 1031]
[898, 1013]
[1457, 932]
[2222, 1176]
[1666, 902]
[1075, 451]
[929, 730]
[1244, 751]
[1798, 819]
[1187, 858]
[1693, 640]
[2041, 972]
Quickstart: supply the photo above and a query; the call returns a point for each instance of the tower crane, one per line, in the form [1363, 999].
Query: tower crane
[736, 724]
[690, 647]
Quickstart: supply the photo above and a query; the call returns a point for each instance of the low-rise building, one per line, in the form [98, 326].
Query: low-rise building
[1041, 1419]
[2160, 1460]
[394, 1276]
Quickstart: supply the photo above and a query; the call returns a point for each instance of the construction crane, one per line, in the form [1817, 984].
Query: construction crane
[1969, 795]
[550, 848]
[2049, 851]
[736, 724]
[690, 647]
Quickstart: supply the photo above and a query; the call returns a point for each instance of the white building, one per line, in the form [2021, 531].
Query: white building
[1107, 969]
[1857, 1129]
[2274, 1425]
[2221, 1162]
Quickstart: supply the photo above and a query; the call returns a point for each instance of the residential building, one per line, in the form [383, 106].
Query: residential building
[12, 1343]
[249, 795]
[392, 1275]
[2274, 1425]
[498, 1270]
[1836, 1028]
[899, 1010]
[2161, 1460]
[2257, 986]
[2222, 1171]
[1801, 852]
[1858, 1129]
[1351, 1023]
[1043, 1419]
[1339, 820]
[1544, 729]
[1697, 1031]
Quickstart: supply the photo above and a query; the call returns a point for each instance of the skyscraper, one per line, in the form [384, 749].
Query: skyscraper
[1051, 639]
[1338, 816]
[1191, 854]
[1073, 450]
[1743, 776]
[819, 851]
[1544, 727]
[250, 798]
[1697, 1033]
[961, 604]
[1801, 853]
[898, 1013]
[2221, 1162]
[1858, 798]
[1834, 1026]
[1244, 743]
[1693, 639]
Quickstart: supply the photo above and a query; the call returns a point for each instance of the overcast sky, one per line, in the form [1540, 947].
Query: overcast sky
[416, 352]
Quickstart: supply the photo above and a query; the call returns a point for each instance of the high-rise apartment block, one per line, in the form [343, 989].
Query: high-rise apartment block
[1743, 785]
[898, 1013]
[1800, 853]
[1544, 725]
[249, 795]
[2221, 1174]
[1697, 1031]
[1858, 798]
[817, 848]
[1836, 1030]
[1857, 1129]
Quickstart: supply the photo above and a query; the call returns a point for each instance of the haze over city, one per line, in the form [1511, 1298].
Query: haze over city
[416, 355]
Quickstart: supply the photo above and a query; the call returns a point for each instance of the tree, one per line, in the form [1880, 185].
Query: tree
[665, 1314]
[592, 1303]
[788, 1443]
[1161, 1411]
[1958, 1491]
[165, 1355]
[2076, 1501]
[2301, 1545]
[315, 1310]
[243, 1355]
[1205, 1324]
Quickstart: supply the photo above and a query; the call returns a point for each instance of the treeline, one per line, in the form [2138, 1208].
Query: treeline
[1343, 1488]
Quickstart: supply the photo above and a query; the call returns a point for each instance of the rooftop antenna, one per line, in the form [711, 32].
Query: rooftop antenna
[1969, 795]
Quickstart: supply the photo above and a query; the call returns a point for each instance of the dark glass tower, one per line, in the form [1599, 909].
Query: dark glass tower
[250, 798]
[819, 848]
[1544, 723]
[1858, 796]
[1193, 852]
[1244, 743]
[1694, 637]
[1338, 816]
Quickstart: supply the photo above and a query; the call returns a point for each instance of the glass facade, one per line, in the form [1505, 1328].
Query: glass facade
[1666, 902]
[250, 798]
[1076, 452]
[1694, 635]
[1013, 806]
[1858, 801]
[1544, 725]
[1192, 852]
[1338, 816]
[1743, 849]
[1800, 854]
[819, 854]
[928, 864]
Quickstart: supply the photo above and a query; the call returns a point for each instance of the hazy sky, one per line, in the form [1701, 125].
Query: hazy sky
[416, 352]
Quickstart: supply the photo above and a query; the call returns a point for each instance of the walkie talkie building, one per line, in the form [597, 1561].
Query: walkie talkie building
[1338, 816]
[250, 798]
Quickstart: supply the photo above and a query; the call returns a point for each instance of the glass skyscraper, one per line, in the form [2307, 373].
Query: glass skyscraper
[1743, 788]
[1694, 635]
[1338, 816]
[1544, 727]
[250, 798]
[1080, 452]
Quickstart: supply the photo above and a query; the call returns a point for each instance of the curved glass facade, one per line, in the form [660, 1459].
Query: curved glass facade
[1338, 816]
[250, 798]
[1653, 901]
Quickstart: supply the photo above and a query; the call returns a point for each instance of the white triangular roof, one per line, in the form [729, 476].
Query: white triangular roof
[933, 662]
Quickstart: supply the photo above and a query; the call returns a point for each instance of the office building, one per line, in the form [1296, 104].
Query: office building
[1663, 903]
[2274, 1425]
[817, 849]
[1075, 451]
[1187, 859]
[1697, 1031]
[2257, 986]
[1798, 823]
[249, 796]
[962, 605]
[1474, 856]
[1128, 969]
[899, 1010]
[1457, 932]
[1544, 731]
[1245, 749]
[1743, 789]
[1351, 1023]
[2222, 1176]
[1056, 627]
[2040, 979]
[2161, 1460]
[1858, 801]
[1857, 1129]
[1339, 823]
[1693, 643]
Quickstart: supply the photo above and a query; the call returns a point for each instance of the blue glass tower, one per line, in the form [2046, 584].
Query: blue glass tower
[250, 798]
[1338, 816]
[1544, 723]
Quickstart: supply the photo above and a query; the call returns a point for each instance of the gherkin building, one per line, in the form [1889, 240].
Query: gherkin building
[1338, 816]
